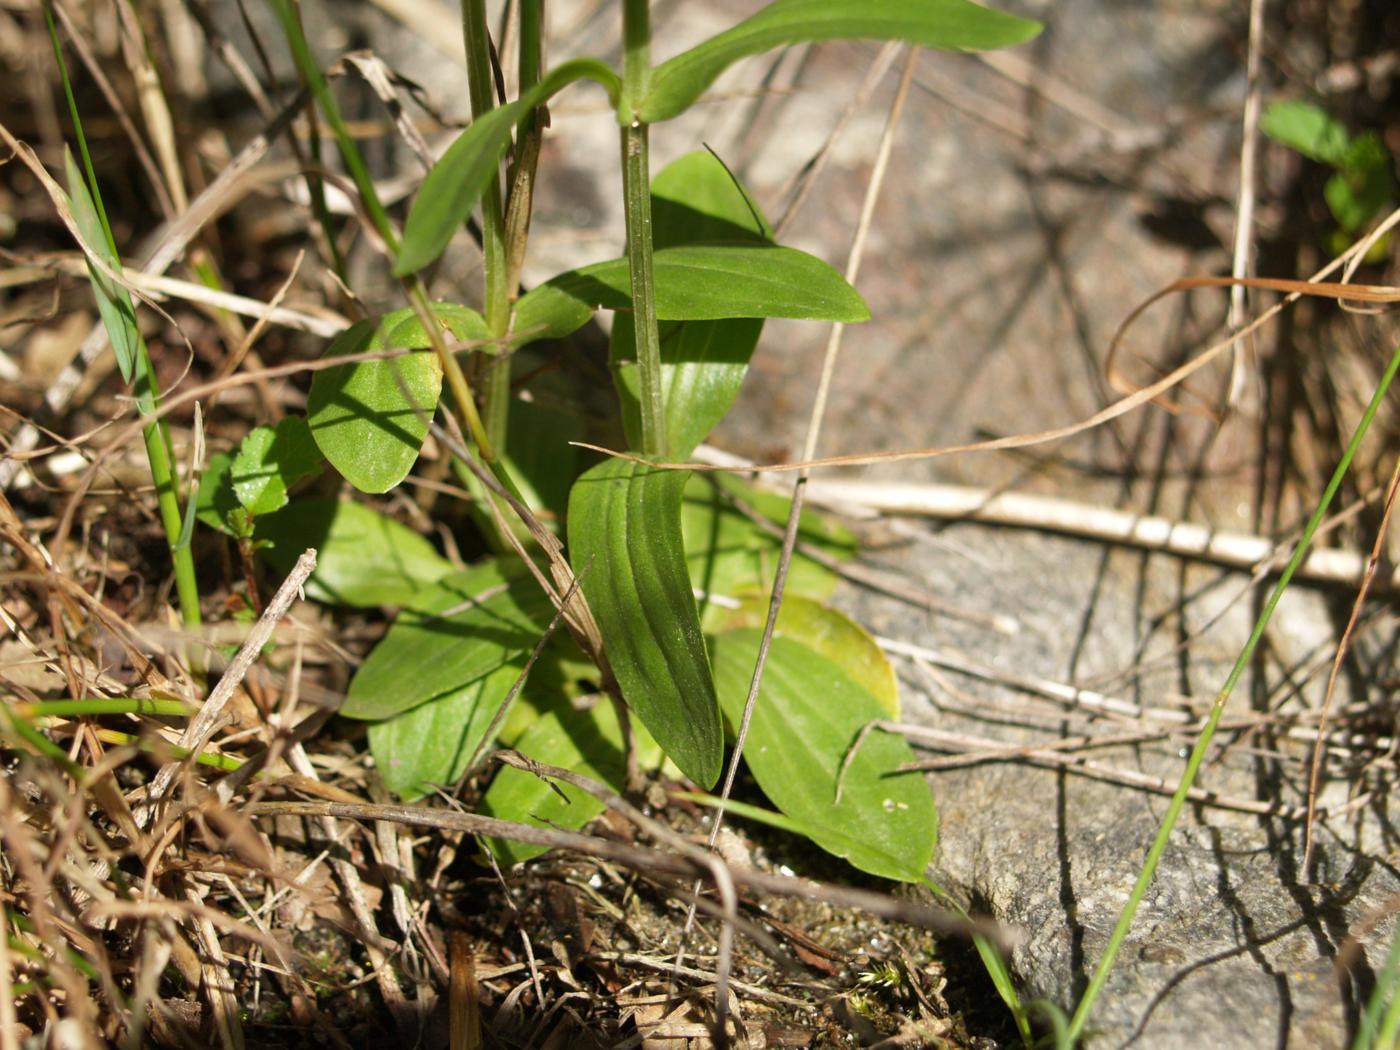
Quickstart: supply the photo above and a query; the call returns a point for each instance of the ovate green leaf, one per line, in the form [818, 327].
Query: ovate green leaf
[698, 282]
[950, 25]
[432, 744]
[694, 199]
[826, 631]
[587, 742]
[269, 461]
[858, 850]
[217, 504]
[370, 417]
[1306, 129]
[363, 557]
[730, 555]
[457, 632]
[625, 539]
[809, 714]
[457, 181]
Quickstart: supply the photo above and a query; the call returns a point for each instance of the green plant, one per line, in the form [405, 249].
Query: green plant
[642, 666]
[1362, 185]
[84, 203]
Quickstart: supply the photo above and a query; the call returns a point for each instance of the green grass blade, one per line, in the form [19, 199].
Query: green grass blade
[1198, 753]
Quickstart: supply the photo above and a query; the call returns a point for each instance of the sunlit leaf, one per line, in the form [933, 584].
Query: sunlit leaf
[857, 849]
[809, 714]
[715, 281]
[730, 555]
[113, 301]
[1306, 129]
[364, 558]
[460, 630]
[217, 503]
[459, 178]
[625, 538]
[269, 461]
[694, 199]
[370, 417]
[949, 25]
[827, 631]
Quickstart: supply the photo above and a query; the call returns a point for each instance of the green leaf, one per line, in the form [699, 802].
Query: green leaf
[707, 282]
[809, 714]
[587, 742]
[548, 312]
[113, 301]
[694, 199]
[540, 459]
[459, 178]
[370, 417]
[730, 555]
[824, 630]
[217, 503]
[625, 538]
[1306, 129]
[270, 461]
[431, 744]
[460, 630]
[949, 25]
[363, 557]
[1363, 186]
[856, 849]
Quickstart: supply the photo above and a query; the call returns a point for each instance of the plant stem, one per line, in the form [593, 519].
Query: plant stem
[163, 474]
[496, 301]
[159, 451]
[636, 191]
[521, 178]
[1203, 742]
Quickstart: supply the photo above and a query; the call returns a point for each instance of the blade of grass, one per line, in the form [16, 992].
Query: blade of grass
[120, 316]
[1198, 753]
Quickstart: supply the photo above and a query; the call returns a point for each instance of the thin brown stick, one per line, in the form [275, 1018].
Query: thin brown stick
[203, 725]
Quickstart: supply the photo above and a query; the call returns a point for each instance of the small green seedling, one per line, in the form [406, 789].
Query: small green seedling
[1362, 186]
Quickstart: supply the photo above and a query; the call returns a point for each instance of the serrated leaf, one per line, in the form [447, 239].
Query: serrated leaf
[458, 631]
[707, 282]
[457, 181]
[114, 303]
[826, 631]
[370, 418]
[1306, 129]
[809, 714]
[363, 557]
[694, 199]
[728, 554]
[625, 538]
[587, 742]
[269, 461]
[217, 504]
[431, 744]
[949, 25]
